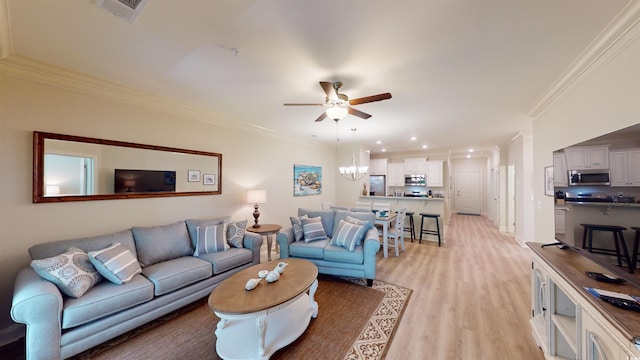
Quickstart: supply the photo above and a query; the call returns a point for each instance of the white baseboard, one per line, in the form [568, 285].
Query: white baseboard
[11, 334]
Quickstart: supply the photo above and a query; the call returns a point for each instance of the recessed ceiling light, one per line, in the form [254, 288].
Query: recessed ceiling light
[470, 150]
[379, 142]
[468, 156]
[413, 138]
[383, 150]
[424, 146]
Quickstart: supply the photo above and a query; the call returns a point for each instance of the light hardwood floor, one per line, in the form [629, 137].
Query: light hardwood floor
[471, 297]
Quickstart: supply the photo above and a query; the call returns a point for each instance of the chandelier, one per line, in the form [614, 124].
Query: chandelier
[353, 172]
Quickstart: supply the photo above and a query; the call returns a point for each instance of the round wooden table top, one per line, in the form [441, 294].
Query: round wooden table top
[230, 297]
[265, 229]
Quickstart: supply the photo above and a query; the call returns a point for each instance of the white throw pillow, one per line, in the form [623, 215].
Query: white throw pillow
[71, 271]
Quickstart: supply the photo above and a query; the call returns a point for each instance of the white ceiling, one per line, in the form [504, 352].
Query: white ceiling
[462, 73]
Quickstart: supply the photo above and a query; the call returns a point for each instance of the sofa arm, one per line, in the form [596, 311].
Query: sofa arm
[371, 245]
[38, 304]
[284, 238]
[253, 242]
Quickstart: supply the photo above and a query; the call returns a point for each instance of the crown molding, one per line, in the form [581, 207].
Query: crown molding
[616, 36]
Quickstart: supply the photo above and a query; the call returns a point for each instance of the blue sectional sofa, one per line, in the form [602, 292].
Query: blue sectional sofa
[60, 326]
[330, 258]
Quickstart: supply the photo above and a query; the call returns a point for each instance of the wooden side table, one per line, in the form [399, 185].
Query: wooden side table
[268, 230]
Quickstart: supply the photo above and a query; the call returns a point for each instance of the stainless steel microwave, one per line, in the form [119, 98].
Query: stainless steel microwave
[589, 177]
[415, 180]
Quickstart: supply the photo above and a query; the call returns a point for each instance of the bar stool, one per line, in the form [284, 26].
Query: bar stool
[430, 232]
[618, 239]
[411, 228]
[634, 255]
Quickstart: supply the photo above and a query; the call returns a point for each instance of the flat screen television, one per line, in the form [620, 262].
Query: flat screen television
[126, 180]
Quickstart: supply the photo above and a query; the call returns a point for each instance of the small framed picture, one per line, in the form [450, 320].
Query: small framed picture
[548, 180]
[194, 175]
[209, 179]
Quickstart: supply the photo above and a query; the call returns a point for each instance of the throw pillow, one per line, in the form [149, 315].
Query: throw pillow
[347, 234]
[116, 263]
[211, 239]
[296, 224]
[235, 233]
[71, 271]
[313, 229]
[365, 224]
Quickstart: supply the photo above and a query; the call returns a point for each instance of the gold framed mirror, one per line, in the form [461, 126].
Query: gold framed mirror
[76, 168]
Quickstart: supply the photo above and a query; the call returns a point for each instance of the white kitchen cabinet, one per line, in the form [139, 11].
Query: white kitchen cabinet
[560, 175]
[588, 157]
[434, 169]
[625, 167]
[415, 166]
[559, 216]
[378, 166]
[395, 174]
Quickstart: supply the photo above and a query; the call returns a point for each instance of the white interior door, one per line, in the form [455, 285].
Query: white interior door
[468, 192]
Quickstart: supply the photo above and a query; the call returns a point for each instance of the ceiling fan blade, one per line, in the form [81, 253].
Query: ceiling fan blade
[368, 99]
[302, 104]
[329, 90]
[358, 113]
[321, 117]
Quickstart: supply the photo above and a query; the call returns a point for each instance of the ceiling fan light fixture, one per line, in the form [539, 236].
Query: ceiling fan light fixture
[337, 112]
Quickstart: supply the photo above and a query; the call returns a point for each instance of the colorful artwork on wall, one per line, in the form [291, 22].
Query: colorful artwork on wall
[307, 180]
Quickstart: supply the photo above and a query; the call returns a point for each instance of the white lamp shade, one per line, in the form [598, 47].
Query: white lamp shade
[337, 112]
[257, 196]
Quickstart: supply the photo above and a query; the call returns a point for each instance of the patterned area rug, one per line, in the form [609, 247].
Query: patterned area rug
[191, 328]
[373, 341]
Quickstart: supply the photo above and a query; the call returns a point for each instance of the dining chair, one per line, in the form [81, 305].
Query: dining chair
[363, 205]
[396, 233]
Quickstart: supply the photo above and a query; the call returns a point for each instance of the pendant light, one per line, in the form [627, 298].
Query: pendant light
[353, 172]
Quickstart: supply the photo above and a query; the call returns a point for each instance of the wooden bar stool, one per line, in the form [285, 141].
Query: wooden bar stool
[634, 255]
[427, 231]
[618, 239]
[411, 228]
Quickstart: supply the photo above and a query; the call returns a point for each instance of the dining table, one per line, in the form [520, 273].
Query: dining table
[385, 222]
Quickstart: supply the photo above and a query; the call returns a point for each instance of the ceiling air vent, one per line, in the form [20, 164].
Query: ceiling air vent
[127, 9]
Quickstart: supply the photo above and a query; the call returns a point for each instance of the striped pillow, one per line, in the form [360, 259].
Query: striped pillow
[313, 230]
[347, 234]
[211, 239]
[116, 263]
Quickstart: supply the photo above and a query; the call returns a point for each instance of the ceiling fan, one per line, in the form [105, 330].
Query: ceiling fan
[338, 105]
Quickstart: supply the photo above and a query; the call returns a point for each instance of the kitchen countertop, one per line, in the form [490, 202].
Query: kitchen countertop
[604, 204]
[404, 198]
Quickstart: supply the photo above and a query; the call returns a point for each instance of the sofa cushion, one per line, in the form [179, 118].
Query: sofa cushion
[211, 239]
[313, 230]
[313, 250]
[342, 255]
[105, 299]
[326, 215]
[160, 243]
[116, 263]
[71, 272]
[226, 260]
[296, 225]
[174, 274]
[235, 233]
[192, 226]
[347, 234]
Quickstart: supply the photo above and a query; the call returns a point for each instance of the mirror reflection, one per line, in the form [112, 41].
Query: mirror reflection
[70, 168]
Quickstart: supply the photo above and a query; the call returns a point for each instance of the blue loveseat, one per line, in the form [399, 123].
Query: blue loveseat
[60, 326]
[330, 258]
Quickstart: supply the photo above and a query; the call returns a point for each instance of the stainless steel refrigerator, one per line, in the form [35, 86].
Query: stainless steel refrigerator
[377, 185]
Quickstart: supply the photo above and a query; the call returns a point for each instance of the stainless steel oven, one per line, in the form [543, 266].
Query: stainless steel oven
[589, 177]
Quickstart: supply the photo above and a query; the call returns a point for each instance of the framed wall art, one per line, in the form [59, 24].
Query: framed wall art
[209, 179]
[548, 180]
[193, 175]
[307, 180]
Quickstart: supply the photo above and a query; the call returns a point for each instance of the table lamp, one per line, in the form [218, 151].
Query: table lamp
[256, 196]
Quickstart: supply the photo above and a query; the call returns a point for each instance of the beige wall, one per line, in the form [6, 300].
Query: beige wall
[606, 100]
[250, 159]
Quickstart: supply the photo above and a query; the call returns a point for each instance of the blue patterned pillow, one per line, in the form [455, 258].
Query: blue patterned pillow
[235, 233]
[116, 263]
[296, 225]
[347, 234]
[211, 239]
[313, 230]
[72, 272]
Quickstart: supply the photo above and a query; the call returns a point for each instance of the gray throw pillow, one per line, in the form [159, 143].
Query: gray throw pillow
[71, 272]
[116, 263]
[313, 230]
[296, 225]
[347, 234]
[235, 233]
[211, 239]
[160, 243]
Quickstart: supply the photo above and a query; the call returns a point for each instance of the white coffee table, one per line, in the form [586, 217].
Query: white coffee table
[255, 324]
